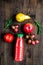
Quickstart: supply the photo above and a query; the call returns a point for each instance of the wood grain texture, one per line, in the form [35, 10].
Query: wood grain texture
[37, 51]
[33, 54]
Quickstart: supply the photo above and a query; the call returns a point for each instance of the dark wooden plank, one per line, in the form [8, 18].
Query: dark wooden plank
[1, 29]
[7, 57]
[41, 38]
[33, 54]
[37, 51]
[8, 8]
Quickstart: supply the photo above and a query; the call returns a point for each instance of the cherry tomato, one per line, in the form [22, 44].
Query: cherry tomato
[28, 28]
[8, 37]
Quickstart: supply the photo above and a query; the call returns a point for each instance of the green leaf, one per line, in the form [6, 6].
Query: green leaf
[39, 28]
[9, 22]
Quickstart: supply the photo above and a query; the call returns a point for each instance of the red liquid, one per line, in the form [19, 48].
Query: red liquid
[19, 51]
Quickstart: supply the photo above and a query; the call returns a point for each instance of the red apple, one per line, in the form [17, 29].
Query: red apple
[28, 28]
[8, 37]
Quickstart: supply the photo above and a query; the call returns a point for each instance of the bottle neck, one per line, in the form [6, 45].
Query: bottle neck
[20, 35]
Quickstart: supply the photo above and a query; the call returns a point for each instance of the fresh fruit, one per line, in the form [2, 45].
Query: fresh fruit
[33, 36]
[20, 17]
[28, 28]
[33, 42]
[27, 36]
[29, 41]
[37, 41]
[8, 37]
[15, 28]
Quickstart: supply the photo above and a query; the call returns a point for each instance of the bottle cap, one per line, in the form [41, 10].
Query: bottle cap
[20, 35]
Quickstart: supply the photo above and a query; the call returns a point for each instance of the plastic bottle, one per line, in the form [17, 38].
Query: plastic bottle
[19, 49]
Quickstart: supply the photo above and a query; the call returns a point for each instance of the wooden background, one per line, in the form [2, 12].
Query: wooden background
[7, 9]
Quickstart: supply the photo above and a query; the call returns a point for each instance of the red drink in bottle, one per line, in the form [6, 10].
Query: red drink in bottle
[19, 50]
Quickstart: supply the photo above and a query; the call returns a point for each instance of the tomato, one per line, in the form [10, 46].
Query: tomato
[8, 37]
[28, 28]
